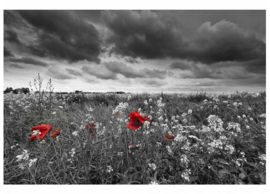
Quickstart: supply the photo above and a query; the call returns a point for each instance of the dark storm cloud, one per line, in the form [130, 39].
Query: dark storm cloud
[92, 15]
[74, 72]
[11, 36]
[58, 49]
[63, 35]
[11, 18]
[142, 34]
[152, 35]
[224, 41]
[256, 66]
[130, 72]
[7, 53]
[14, 65]
[28, 60]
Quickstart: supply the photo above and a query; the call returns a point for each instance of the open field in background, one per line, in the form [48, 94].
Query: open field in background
[189, 139]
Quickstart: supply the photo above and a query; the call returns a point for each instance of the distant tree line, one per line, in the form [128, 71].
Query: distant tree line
[17, 90]
[26, 90]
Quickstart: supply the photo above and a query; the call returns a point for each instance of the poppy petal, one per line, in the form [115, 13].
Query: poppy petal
[55, 133]
[145, 118]
[43, 129]
[33, 137]
[132, 127]
[169, 137]
[138, 116]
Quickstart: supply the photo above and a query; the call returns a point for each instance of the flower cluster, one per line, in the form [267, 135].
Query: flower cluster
[185, 174]
[91, 128]
[72, 154]
[234, 126]
[152, 166]
[215, 123]
[24, 160]
[120, 108]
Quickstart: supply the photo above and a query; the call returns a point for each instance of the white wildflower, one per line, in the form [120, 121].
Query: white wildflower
[180, 138]
[23, 156]
[229, 148]
[109, 169]
[153, 182]
[185, 174]
[32, 161]
[262, 157]
[263, 115]
[169, 149]
[152, 166]
[184, 114]
[235, 104]
[75, 133]
[235, 126]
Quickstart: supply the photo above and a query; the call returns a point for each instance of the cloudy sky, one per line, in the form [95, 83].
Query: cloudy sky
[137, 51]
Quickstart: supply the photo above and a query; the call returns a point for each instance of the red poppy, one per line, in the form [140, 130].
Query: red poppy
[55, 133]
[133, 147]
[43, 129]
[136, 120]
[91, 128]
[169, 137]
[117, 113]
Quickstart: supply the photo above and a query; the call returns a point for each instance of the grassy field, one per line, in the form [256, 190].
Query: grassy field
[183, 139]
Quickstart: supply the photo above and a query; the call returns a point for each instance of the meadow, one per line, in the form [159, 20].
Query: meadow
[200, 138]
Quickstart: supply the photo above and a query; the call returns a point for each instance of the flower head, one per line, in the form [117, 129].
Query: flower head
[130, 146]
[109, 169]
[32, 161]
[91, 128]
[153, 182]
[55, 133]
[136, 120]
[169, 137]
[42, 129]
[23, 156]
[75, 133]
